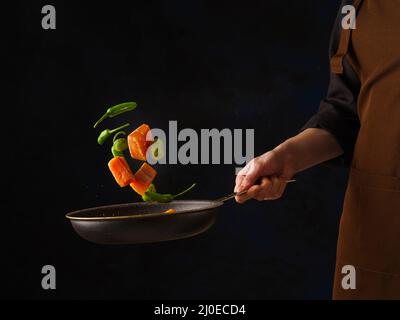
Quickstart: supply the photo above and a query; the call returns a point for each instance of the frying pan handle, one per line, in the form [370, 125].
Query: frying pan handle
[234, 194]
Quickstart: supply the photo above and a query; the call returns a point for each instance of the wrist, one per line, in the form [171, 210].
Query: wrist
[285, 152]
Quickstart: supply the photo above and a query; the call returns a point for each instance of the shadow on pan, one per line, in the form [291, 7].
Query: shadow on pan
[144, 222]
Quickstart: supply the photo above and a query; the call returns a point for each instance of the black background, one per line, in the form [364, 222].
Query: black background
[206, 64]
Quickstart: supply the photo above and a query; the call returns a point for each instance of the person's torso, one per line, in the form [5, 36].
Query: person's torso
[375, 55]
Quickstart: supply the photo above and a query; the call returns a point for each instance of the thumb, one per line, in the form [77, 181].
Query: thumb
[251, 176]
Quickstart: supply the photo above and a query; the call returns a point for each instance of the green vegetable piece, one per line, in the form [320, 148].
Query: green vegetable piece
[150, 196]
[152, 188]
[120, 144]
[157, 197]
[185, 191]
[105, 134]
[116, 153]
[118, 134]
[117, 110]
[147, 198]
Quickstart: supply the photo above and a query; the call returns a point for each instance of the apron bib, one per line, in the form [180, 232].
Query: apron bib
[369, 234]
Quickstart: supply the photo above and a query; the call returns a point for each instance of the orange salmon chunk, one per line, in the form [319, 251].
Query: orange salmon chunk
[143, 178]
[137, 142]
[121, 171]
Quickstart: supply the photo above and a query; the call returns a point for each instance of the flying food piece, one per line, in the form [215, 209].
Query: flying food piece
[152, 196]
[143, 178]
[137, 142]
[121, 171]
[117, 110]
[105, 134]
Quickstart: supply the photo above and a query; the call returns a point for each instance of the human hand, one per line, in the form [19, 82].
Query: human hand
[265, 177]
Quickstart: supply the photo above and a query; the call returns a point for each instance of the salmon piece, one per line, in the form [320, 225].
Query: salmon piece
[137, 142]
[169, 211]
[143, 178]
[121, 171]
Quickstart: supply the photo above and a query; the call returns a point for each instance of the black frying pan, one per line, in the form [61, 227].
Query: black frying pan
[144, 222]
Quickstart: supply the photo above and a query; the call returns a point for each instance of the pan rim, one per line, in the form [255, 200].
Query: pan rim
[70, 216]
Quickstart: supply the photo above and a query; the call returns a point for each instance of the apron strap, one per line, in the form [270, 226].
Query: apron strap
[337, 60]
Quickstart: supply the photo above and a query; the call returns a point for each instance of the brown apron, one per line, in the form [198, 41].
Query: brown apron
[369, 235]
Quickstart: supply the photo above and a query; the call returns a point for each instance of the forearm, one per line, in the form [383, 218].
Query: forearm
[309, 148]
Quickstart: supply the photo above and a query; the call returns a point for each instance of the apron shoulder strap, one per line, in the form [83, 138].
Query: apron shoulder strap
[337, 60]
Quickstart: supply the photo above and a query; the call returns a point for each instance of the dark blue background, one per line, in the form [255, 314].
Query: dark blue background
[206, 64]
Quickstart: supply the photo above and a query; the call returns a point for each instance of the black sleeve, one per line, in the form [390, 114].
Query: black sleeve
[337, 113]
